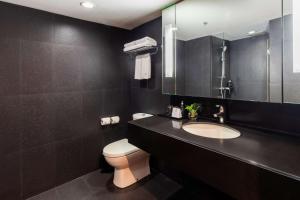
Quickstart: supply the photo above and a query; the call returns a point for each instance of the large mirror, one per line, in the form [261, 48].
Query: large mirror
[291, 51]
[223, 49]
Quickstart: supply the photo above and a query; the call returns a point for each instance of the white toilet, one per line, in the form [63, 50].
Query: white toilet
[131, 163]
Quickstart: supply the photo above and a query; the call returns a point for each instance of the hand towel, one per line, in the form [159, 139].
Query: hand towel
[146, 66]
[138, 68]
[142, 67]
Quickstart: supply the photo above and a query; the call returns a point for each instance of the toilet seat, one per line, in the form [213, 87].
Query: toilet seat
[119, 148]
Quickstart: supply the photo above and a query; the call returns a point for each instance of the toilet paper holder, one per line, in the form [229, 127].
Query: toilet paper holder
[109, 120]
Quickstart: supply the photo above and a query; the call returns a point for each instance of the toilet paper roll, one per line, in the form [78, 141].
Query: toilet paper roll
[115, 119]
[105, 121]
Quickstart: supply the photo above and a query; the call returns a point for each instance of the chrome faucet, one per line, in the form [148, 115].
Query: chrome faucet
[226, 91]
[220, 114]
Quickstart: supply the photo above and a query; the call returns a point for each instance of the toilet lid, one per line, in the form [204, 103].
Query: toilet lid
[119, 148]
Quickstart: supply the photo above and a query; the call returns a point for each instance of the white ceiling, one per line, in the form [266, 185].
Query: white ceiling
[126, 14]
[231, 19]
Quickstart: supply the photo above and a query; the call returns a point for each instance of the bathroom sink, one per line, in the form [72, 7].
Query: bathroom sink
[211, 130]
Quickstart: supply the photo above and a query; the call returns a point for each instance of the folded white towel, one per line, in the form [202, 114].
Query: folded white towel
[142, 67]
[148, 40]
[142, 40]
[137, 46]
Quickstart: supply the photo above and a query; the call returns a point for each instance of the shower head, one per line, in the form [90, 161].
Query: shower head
[224, 49]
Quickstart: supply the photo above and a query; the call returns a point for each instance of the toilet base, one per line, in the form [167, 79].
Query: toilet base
[125, 177]
[137, 169]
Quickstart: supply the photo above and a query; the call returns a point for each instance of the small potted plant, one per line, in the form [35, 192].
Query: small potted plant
[193, 111]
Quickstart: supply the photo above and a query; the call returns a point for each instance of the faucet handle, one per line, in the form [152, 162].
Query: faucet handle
[220, 114]
[220, 106]
[221, 111]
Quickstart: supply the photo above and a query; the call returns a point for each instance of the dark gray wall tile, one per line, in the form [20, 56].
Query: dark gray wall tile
[94, 63]
[91, 152]
[71, 31]
[92, 102]
[11, 28]
[68, 31]
[36, 25]
[36, 67]
[9, 67]
[118, 102]
[67, 68]
[68, 160]
[39, 169]
[112, 134]
[113, 73]
[67, 115]
[148, 101]
[37, 120]
[10, 124]
[10, 177]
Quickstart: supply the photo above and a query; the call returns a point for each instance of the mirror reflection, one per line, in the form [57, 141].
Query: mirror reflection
[224, 49]
[291, 42]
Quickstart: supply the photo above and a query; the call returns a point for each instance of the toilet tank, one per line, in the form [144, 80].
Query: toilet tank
[137, 116]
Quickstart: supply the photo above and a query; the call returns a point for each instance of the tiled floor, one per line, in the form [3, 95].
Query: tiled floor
[97, 185]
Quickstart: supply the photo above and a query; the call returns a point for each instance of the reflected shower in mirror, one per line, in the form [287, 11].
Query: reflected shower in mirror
[227, 49]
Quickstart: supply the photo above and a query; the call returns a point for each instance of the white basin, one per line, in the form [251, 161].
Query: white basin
[211, 130]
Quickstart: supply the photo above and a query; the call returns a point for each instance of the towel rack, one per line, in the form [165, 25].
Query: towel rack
[147, 49]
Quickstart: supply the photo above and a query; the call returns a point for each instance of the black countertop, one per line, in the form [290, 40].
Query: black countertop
[274, 152]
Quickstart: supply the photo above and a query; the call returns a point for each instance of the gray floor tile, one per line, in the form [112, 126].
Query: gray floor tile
[48, 195]
[99, 186]
[73, 190]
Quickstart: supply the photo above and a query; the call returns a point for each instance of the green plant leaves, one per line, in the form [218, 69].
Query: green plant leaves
[193, 107]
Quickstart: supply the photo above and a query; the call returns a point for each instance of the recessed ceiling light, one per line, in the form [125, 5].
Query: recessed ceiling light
[251, 32]
[87, 4]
